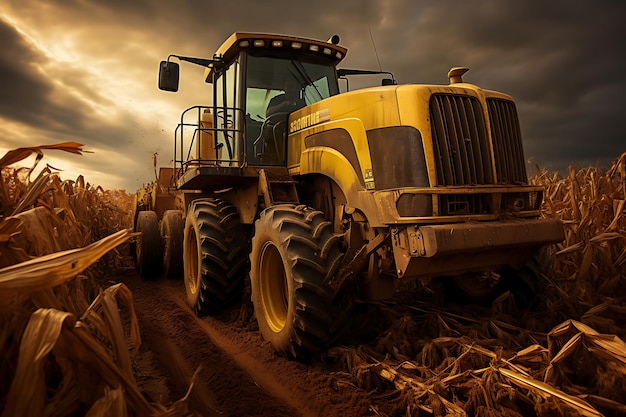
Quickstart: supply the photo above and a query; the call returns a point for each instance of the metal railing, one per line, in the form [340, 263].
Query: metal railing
[226, 147]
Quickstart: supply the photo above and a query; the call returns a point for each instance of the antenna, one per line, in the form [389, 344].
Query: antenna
[380, 68]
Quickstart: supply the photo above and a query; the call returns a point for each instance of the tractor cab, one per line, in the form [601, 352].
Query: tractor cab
[257, 80]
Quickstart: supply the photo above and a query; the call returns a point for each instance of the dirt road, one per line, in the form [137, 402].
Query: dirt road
[417, 355]
[240, 375]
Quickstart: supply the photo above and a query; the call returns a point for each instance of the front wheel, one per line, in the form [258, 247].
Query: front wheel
[294, 251]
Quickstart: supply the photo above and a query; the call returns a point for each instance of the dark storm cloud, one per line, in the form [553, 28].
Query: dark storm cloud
[561, 60]
[566, 71]
[26, 90]
[61, 99]
[30, 95]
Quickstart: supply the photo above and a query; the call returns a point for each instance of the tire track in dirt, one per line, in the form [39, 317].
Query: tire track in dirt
[240, 373]
[177, 347]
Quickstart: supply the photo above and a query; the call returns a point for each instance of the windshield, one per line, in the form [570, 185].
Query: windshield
[304, 82]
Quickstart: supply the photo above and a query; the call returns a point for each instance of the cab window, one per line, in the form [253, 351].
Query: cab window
[272, 79]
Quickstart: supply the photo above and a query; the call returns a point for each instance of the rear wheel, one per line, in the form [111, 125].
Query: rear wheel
[293, 253]
[215, 255]
[148, 247]
[172, 230]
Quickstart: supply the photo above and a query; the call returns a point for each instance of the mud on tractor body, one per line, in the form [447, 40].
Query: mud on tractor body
[318, 196]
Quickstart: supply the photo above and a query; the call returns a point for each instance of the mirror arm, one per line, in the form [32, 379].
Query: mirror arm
[203, 62]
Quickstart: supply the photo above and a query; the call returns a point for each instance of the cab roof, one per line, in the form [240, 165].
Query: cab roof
[240, 41]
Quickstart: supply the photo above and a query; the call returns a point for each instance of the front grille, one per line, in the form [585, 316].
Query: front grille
[460, 140]
[507, 142]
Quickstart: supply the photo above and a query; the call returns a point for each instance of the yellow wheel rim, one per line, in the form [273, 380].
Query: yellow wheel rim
[192, 276]
[274, 287]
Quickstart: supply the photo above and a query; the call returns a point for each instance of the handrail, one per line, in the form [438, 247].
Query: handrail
[224, 133]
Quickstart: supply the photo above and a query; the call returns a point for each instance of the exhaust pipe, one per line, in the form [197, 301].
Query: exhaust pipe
[334, 40]
[456, 74]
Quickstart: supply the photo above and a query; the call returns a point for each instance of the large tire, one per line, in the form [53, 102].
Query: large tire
[172, 231]
[148, 251]
[294, 251]
[215, 255]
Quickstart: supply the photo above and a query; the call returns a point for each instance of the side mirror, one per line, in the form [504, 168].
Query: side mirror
[168, 76]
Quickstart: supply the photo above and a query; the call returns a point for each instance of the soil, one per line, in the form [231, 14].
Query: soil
[234, 372]
[238, 374]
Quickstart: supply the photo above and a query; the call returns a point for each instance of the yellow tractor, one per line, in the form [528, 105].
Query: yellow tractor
[320, 196]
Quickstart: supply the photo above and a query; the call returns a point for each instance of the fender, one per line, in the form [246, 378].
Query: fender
[333, 164]
[339, 150]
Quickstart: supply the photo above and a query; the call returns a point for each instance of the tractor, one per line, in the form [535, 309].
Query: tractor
[320, 196]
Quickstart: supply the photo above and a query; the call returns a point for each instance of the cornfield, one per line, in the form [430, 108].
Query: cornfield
[566, 357]
[68, 338]
[65, 348]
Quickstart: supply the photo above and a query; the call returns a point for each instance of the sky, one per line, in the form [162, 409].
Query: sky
[86, 70]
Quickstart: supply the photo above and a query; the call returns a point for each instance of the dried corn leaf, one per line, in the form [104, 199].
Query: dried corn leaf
[112, 404]
[88, 363]
[10, 253]
[54, 269]
[105, 305]
[547, 391]
[19, 154]
[603, 237]
[9, 228]
[612, 346]
[403, 382]
[605, 403]
[619, 214]
[28, 389]
[33, 192]
[44, 232]
[572, 248]
[533, 351]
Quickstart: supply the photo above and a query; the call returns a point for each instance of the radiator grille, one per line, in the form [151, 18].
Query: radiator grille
[507, 142]
[460, 140]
